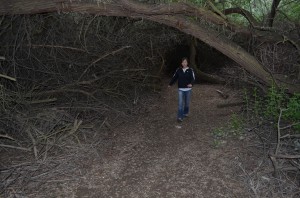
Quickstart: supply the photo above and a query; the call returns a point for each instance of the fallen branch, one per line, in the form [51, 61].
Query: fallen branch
[278, 132]
[280, 156]
[281, 169]
[289, 126]
[102, 57]
[75, 126]
[222, 94]
[290, 136]
[35, 151]
[273, 156]
[58, 46]
[56, 91]
[15, 147]
[230, 104]
[7, 137]
[276, 156]
[8, 77]
[215, 9]
[42, 101]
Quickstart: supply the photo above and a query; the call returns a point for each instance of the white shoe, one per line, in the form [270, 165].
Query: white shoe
[179, 120]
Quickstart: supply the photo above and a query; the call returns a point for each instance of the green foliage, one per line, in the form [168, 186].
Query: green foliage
[258, 8]
[236, 125]
[219, 133]
[217, 143]
[293, 107]
[269, 107]
[274, 101]
[234, 128]
[289, 9]
[292, 112]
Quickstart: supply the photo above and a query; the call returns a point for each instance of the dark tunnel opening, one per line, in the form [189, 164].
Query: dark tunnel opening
[174, 56]
[207, 59]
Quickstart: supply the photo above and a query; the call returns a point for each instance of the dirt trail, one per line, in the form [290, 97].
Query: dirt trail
[154, 156]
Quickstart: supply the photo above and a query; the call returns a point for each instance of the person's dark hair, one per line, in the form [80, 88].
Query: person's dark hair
[185, 58]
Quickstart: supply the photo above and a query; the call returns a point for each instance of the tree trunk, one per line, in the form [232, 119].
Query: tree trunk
[272, 14]
[193, 52]
[174, 15]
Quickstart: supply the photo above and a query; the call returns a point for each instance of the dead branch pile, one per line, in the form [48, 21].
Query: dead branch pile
[273, 169]
[281, 57]
[64, 77]
[281, 60]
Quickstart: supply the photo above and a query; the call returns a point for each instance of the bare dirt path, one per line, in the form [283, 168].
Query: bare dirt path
[154, 156]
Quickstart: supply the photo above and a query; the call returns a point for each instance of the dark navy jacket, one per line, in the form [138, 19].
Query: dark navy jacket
[184, 78]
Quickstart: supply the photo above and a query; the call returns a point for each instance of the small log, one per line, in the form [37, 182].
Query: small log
[230, 104]
[281, 156]
[15, 147]
[8, 77]
[222, 94]
[43, 101]
[7, 137]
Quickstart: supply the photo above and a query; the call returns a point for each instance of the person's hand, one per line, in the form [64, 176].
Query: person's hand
[189, 85]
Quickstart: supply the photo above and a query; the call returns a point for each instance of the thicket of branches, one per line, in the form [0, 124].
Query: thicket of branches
[66, 77]
[90, 63]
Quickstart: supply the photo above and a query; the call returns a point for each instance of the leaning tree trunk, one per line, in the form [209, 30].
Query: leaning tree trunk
[174, 15]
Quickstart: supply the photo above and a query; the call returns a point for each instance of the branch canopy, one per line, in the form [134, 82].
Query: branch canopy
[176, 15]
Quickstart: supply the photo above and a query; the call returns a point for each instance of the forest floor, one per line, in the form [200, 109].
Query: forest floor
[154, 156]
[151, 155]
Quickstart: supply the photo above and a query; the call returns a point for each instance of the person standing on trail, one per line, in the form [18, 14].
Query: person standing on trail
[186, 78]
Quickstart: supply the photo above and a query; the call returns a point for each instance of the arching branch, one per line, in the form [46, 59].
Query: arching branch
[243, 12]
[252, 21]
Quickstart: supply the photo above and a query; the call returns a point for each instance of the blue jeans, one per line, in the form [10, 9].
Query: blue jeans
[184, 98]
